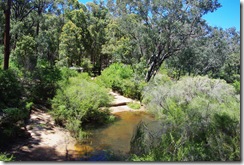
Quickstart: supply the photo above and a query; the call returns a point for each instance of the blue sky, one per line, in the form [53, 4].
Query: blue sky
[227, 16]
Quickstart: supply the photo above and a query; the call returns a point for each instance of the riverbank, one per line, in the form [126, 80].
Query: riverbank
[120, 104]
[49, 142]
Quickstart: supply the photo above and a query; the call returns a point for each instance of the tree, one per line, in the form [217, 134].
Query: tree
[7, 14]
[49, 38]
[166, 26]
[1, 27]
[216, 54]
[120, 43]
[25, 53]
[70, 46]
[97, 23]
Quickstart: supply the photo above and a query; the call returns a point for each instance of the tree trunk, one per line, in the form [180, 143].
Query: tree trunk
[39, 12]
[100, 65]
[7, 36]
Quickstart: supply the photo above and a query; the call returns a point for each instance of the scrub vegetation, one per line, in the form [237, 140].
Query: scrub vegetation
[66, 57]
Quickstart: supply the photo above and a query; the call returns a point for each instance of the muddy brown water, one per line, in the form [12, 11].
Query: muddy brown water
[114, 138]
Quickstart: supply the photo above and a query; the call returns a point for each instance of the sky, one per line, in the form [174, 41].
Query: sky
[226, 16]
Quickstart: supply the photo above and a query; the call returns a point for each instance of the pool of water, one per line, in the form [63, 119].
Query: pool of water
[113, 139]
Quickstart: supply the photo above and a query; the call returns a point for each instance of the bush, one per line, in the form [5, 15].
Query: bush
[44, 84]
[6, 158]
[237, 86]
[13, 106]
[67, 73]
[120, 78]
[86, 65]
[134, 105]
[10, 89]
[79, 102]
[200, 118]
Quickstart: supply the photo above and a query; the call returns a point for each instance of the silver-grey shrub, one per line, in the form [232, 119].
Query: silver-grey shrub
[201, 117]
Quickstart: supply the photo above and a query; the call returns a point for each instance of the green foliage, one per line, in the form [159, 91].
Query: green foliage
[237, 86]
[6, 158]
[43, 83]
[209, 55]
[24, 54]
[10, 89]
[14, 108]
[75, 128]
[1, 55]
[67, 73]
[201, 119]
[79, 102]
[120, 78]
[15, 114]
[70, 46]
[86, 65]
[134, 105]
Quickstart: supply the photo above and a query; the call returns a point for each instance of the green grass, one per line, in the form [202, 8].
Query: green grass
[134, 105]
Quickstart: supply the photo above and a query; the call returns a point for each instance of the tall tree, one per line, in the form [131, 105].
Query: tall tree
[1, 26]
[7, 13]
[97, 23]
[70, 46]
[216, 54]
[166, 26]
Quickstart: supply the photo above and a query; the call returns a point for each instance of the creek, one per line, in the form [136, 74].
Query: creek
[112, 142]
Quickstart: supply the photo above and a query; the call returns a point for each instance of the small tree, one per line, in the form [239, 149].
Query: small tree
[25, 53]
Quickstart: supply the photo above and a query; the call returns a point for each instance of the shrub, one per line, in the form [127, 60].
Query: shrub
[120, 78]
[112, 75]
[13, 106]
[134, 105]
[76, 130]
[237, 86]
[6, 157]
[86, 65]
[79, 102]
[44, 83]
[10, 89]
[201, 119]
[67, 73]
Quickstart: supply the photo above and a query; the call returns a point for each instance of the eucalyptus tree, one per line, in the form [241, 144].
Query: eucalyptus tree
[6, 7]
[216, 54]
[70, 46]
[20, 21]
[121, 39]
[203, 55]
[1, 32]
[74, 35]
[166, 26]
[97, 21]
[231, 69]
[25, 53]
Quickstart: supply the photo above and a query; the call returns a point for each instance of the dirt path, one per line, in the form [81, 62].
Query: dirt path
[47, 142]
[120, 102]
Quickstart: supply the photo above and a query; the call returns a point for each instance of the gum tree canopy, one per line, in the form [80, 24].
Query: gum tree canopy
[164, 27]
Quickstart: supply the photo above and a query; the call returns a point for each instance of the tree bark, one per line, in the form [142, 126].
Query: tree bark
[7, 14]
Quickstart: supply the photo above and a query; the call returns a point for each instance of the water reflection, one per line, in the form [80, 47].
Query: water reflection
[114, 138]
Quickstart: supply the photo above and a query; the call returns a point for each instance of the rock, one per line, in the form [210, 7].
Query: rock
[29, 127]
